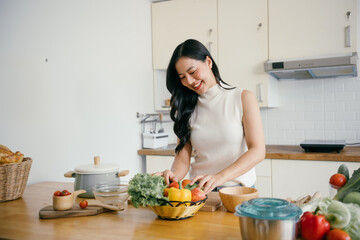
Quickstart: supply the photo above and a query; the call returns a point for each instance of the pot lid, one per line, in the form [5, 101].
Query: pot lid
[97, 167]
[268, 208]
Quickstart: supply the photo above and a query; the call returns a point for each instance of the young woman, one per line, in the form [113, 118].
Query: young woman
[221, 123]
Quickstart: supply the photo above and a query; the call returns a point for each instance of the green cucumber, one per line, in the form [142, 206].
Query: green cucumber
[352, 197]
[343, 169]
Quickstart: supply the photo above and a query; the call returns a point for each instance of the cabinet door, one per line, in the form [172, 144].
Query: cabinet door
[243, 48]
[297, 178]
[175, 21]
[311, 28]
[263, 178]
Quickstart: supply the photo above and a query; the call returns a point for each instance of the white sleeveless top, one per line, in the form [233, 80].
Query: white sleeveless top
[217, 133]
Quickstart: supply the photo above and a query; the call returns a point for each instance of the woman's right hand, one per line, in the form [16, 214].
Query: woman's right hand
[168, 175]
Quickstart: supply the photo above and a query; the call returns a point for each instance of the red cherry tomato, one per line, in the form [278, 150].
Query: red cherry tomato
[57, 193]
[337, 180]
[337, 234]
[185, 182]
[83, 204]
[65, 193]
[174, 184]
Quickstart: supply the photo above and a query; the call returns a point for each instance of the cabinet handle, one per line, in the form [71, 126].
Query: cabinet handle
[210, 31]
[348, 36]
[260, 25]
[260, 92]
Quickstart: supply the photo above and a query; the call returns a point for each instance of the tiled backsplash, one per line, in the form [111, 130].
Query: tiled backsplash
[314, 109]
[310, 109]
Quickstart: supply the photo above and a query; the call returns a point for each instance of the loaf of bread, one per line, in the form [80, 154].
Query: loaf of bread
[7, 156]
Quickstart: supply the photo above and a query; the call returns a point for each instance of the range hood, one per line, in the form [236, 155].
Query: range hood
[311, 68]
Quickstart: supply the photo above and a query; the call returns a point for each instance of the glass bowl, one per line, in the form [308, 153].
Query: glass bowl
[112, 193]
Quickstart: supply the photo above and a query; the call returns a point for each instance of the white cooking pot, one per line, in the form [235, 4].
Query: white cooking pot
[86, 176]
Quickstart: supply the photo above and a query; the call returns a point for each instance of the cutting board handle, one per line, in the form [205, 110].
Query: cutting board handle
[69, 174]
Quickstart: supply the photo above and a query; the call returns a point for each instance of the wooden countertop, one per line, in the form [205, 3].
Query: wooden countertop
[348, 154]
[19, 219]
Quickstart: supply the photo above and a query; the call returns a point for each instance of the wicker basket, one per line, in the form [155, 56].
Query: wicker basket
[176, 210]
[13, 179]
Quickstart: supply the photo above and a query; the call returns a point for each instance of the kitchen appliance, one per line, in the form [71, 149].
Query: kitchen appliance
[86, 176]
[155, 140]
[267, 218]
[323, 145]
[310, 68]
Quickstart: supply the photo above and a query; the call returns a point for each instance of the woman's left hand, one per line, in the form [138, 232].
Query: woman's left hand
[209, 182]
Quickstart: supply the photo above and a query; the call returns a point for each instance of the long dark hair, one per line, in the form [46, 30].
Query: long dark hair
[184, 100]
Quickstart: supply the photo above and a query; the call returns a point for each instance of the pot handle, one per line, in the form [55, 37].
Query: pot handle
[122, 173]
[69, 174]
[77, 192]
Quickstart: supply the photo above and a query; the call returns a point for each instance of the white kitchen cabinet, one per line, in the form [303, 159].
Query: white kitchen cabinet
[155, 163]
[243, 48]
[175, 21]
[310, 28]
[263, 178]
[296, 178]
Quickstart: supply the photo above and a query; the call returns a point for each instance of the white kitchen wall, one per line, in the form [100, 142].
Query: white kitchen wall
[73, 74]
[314, 109]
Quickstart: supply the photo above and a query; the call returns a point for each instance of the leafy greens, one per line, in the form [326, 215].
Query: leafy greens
[147, 190]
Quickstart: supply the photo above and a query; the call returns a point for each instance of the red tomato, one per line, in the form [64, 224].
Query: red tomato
[337, 180]
[83, 204]
[185, 182]
[65, 193]
[337, 234]
[57, 193]
[174, 184]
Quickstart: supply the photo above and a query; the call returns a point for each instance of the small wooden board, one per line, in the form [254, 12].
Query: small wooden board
[48, 212]
[212, 203]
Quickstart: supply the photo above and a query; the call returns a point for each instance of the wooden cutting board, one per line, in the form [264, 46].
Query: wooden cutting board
[212, 203]
[48, 212]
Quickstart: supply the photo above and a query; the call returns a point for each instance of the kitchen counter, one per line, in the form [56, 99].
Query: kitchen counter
[348, 154]
[19, 219]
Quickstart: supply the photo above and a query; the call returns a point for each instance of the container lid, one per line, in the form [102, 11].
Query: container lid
[268, 208]
[97, 167]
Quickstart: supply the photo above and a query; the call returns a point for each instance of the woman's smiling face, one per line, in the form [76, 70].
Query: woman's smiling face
[195, 74]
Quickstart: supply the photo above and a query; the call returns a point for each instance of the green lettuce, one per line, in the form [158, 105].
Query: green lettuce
[147, 190]
[353, 228]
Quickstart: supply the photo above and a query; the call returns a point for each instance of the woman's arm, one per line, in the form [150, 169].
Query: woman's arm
[180, 166]
[254, 137]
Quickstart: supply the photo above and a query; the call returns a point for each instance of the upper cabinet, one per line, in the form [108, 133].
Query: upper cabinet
[243, 46]
[243, 35]
[310, 28]
[175, 21]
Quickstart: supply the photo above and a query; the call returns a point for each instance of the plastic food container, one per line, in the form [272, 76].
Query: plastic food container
[155, 140]
[268, 218]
